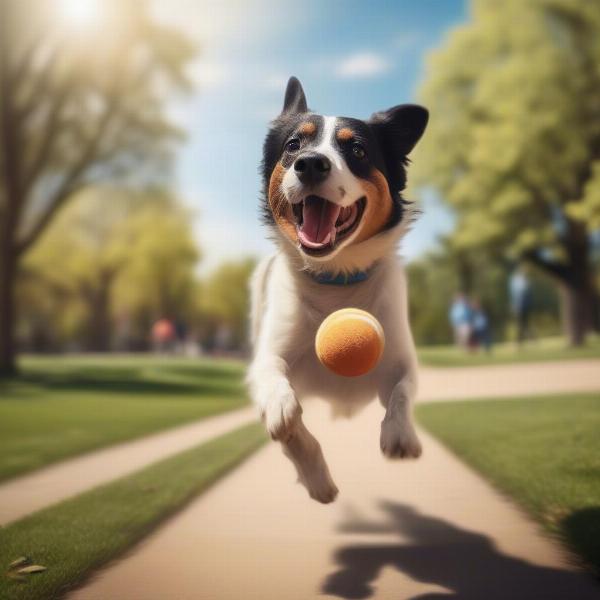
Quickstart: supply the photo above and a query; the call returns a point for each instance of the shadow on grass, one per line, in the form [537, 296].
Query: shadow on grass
[201, 379]
[437, 552]
[582, 531]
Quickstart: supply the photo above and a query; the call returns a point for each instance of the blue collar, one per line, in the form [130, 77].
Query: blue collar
[341, 278]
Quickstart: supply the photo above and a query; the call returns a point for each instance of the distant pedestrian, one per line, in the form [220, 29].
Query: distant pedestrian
[520, 301]
[163, 335]
[482, 334]
[460, 316]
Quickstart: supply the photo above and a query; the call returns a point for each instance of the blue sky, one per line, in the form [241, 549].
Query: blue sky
[353, 58]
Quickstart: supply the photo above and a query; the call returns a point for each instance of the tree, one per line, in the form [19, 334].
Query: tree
[120, 253]
[225, 299]
[514, 139]
[436, 277]
[76, 110]
[159, 278]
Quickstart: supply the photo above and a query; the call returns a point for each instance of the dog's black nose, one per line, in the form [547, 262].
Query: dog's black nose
[312, 168]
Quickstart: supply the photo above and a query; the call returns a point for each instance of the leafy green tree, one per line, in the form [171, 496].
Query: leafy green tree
[75, 110]
[74, 260]
[438, 276]
[225, 300]
[159, 279]
[514, 139]
[110, 253]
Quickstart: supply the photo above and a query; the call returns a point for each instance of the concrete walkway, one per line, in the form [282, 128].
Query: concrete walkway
[24, 495]
[460, 383]
[427, 529]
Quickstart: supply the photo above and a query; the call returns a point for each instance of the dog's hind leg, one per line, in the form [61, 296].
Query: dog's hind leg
[398, 436]
[305, 452]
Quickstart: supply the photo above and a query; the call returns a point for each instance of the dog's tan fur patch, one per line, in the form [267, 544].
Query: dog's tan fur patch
[379, 205]
[309, 129]
[345, 134]
[280, 207]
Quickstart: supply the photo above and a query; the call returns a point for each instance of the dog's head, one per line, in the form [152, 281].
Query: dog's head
[333, 184]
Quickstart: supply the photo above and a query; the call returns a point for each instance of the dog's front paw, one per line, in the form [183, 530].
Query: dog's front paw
[281, 415]
[320, 486]
[399, 439]
[318, 482]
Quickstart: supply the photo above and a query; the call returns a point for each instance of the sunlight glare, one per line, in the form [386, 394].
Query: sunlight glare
[80, 13]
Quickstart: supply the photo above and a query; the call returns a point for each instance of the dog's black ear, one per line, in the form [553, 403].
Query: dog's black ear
[400, 128]
[295, 100]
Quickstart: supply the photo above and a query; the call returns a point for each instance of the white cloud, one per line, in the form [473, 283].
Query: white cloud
[362, 65]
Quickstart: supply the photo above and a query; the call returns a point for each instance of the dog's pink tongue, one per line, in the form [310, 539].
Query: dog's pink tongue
[318, 222]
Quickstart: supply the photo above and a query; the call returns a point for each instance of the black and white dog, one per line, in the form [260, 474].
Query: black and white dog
[333, 202]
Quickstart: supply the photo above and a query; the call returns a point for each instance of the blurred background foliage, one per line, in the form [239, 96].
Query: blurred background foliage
[514, 142]
[111, 259]
[95, 247]
[436, 277]
[75, 113]
[99, 279]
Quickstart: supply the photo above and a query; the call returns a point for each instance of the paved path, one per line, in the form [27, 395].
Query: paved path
[32, 492]
[427, 529]
[454, 383]
[24, 495]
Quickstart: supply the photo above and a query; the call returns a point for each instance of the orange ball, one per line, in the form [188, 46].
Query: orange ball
[350, 342]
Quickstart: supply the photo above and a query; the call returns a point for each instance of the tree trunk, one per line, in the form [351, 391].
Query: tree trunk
[580, 301]
[595, 310]
[10, 153]
[578, 308]
[99, 331]
[580, 290]
[8, 344]
[98, 334]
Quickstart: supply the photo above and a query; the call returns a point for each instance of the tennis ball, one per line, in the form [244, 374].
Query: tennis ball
[350, 342]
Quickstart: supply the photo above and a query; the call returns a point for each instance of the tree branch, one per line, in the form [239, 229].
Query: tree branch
[51, 132]
[40, 86]
[550, 267]
[72, 182]
[10, 144]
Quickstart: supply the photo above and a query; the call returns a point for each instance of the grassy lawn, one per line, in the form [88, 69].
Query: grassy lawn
[62, 406]
[536, 351]
[544, 452]
[74, 537]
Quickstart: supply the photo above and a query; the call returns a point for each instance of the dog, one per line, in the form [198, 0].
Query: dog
[332, 201]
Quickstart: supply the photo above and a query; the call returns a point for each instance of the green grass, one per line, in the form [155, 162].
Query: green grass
[544, 452]
[536, 351]
[74, 537]
[62, 406]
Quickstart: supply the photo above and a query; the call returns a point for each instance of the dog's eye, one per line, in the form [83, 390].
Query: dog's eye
[292, 145]
[358, 150]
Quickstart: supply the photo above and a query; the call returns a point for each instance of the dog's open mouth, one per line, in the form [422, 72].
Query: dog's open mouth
[322, 225]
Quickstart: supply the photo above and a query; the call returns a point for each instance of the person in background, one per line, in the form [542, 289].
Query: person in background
[163, 336]
[460, 316]
[520, 301]
[482, 335]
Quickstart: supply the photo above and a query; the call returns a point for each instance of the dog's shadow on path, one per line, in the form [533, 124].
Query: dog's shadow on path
[437, 552]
